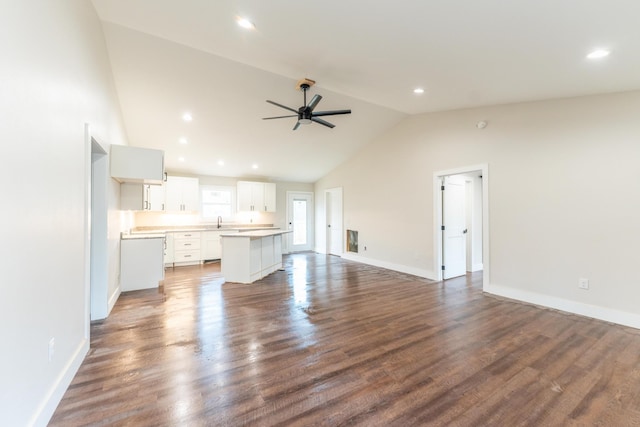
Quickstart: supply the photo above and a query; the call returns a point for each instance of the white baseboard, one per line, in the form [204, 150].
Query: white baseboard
[46, 409]
[114, 299]
[427, 274]
[602, 313]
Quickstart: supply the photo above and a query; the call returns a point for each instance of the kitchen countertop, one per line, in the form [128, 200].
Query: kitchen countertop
[124, 236]
[257, 233]
[178, 229]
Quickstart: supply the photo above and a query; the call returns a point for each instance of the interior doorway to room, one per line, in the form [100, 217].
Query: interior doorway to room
[96, 252]
[333, 206]
[300, 221]
[461, 222]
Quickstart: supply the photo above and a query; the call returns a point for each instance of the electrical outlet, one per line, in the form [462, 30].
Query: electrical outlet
[583, 283]
[52, 345]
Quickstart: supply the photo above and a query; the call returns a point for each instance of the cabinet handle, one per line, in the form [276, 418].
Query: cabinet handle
[187, 235]
[146, 205]
[187, 244]
[187, 256]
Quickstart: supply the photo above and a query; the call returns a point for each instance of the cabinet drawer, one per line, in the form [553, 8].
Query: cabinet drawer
[187, 235]
[187, 255]
[184, 244]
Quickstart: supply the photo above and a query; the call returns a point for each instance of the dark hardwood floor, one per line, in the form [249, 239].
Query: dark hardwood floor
[333, 342]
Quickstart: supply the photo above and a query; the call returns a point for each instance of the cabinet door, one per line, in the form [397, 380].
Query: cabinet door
[154, 195]
[210, 247]
[168, 248]
[245, 196]
[173, 194]
[181, 194]
[190, 194]
[269, 197]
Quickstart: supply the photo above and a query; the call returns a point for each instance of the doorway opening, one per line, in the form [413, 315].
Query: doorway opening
[461, 222]
[96, 246]
[300, 221]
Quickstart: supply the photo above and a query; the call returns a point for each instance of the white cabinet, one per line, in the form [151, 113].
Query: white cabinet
[141, 197]
[269, 197]
[181, 194]
[141, 265]
[136, 164]
[168, 249]
[210, 246]
[256, 196]
[154, 198]
[186, 248]
[250, 256]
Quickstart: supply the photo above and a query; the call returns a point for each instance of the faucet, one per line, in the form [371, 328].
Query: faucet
[219, 221]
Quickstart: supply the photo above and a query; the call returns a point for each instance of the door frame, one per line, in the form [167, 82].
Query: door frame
[437, 219]
[310, 221]
[332, 195]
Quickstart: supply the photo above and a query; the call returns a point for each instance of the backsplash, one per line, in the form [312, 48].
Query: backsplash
[161, 219]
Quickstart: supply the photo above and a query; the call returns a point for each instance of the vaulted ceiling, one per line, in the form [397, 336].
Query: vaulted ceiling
[170, 57]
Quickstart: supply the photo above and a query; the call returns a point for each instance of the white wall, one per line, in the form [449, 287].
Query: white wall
[564, 197]
[54, 78]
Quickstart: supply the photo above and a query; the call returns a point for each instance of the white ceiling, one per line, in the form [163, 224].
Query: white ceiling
[173, 56]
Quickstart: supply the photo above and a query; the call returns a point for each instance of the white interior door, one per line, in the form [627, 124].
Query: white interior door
[333, 203]
[454, 239]
[300, 221]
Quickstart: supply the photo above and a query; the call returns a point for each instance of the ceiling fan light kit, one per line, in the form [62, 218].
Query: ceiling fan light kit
[306, 114]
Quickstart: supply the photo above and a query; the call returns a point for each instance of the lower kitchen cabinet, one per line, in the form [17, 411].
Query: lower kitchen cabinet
[186, 248]
[168, 249]
[141, 263]
[210, 245]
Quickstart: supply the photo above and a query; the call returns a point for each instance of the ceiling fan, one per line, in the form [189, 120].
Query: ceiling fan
[305, 114]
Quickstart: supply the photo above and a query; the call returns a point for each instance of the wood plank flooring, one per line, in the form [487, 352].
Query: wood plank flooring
[333, 342]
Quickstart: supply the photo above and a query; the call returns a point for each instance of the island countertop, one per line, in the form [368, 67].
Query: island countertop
[256, 234]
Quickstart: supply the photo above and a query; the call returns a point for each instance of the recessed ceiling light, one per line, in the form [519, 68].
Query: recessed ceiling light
[598, 54]
[187, 117]
[181, 159]
[254, 166]
[418, 90]
[220, 162]
[182, 141]
[245, 23]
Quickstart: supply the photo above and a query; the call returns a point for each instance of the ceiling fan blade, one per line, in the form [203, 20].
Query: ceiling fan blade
[314, 101]
[330, 113]
[323, 122]
[279, 117]
[297, 125]
[282, 106]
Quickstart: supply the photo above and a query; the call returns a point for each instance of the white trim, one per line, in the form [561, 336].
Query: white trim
[87, 229]
[45, 411]
[114, 299]
[391, 266]
[588, 310]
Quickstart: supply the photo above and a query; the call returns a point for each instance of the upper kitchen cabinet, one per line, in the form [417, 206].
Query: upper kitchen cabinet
[181, 194]
[256, 196]
[141, 197]
[136, 164]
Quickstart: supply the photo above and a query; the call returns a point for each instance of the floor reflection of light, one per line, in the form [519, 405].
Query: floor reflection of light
[299, 280]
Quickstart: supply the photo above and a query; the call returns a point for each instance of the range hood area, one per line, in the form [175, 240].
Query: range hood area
[137, 165]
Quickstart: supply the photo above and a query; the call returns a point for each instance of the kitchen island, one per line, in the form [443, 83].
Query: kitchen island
[251, 255]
